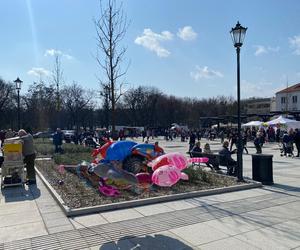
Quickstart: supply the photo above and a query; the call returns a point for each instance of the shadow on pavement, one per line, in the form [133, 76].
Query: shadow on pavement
[284, 187]
[15, 194]
[157, 241]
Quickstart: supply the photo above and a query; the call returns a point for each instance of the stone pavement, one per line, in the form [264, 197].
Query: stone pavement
[264, 218]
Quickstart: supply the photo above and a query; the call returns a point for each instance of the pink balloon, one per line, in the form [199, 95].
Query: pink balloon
[166, 176]
[175, 159]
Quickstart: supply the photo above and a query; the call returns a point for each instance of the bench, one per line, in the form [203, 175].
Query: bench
[215, 161]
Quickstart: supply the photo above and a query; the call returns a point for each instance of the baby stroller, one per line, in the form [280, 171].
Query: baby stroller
[287, 149]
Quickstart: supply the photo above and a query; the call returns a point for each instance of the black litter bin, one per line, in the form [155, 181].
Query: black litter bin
[262, 168]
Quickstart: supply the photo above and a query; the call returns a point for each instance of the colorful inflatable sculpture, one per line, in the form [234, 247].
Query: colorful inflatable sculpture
[125, 164]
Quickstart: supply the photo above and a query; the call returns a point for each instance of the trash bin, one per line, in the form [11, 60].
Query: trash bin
[262, 168]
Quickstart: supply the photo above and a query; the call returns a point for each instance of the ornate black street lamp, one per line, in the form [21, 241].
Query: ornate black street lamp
[238, 34]
[18, 83]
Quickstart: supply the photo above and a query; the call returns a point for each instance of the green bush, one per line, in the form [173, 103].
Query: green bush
[199, 175]
[46, 147]
[72, 158]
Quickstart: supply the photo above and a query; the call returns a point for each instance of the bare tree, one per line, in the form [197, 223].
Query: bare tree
[57, 79]
[76, 100]
[111, 28]
[6, 90]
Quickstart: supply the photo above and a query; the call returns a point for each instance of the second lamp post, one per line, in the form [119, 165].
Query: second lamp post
[238, 34]
[18, 83]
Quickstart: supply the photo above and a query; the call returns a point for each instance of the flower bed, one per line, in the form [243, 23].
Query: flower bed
[78, 193]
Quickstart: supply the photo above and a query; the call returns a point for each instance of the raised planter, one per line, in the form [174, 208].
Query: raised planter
[127, 204]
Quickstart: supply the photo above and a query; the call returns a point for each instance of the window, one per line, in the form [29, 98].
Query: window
[282, 99]
[294, 99]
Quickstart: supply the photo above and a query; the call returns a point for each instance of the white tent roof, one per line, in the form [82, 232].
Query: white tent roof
[281, 120]
[285, 121]
[252, 124]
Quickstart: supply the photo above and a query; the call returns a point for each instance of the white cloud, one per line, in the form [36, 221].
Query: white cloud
[260, 49]
[53, 52]
[38, 72]
[274, 49]
[187, 33]
[152, 41]
[260, 89]
[295, 44]
[205, 73]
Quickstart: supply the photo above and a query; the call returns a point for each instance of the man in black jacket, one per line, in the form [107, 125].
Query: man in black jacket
[225, 153]
[297, 141]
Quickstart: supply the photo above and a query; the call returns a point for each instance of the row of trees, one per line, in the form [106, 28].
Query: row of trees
[74, 106]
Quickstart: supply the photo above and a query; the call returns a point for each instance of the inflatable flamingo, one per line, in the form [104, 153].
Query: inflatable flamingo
[167, 176]
[175, 159]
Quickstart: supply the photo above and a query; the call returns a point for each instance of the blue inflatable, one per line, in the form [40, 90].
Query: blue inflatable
[118, 151]
[144, 149]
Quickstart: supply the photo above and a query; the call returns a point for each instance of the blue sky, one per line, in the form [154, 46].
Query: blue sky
[181, 47]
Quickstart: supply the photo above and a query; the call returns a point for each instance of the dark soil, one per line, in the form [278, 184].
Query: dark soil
[78, 193]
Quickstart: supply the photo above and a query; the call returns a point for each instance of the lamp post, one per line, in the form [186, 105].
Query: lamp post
[18, 83]
[238, 34]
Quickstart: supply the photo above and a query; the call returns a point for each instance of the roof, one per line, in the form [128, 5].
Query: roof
[290, 89]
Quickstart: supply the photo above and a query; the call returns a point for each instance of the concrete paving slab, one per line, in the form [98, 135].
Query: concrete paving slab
[199, 234]
[88, 221]
[18, 232]
[292, 228]
[263, 218]
[56, 222]
[54, 215]
[49, 207]
[153, 209]
[233, 225]
[19, 218]
[24, 207]
[120, 215]
[269, 238]
[228, 243]
[179, 205]
[59, 229]
[162, 240]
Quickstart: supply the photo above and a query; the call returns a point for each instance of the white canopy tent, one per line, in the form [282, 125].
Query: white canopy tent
[252, 124]
[289, 123]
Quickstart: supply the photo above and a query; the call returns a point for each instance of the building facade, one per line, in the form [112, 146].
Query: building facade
[288, 99]
[257, 106]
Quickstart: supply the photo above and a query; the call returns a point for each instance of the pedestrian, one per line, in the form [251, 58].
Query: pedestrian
[157, 149]
[297, 141]
[28, 154]
[192, 140]
[258, 141]
[196, 150]
[245, 142]
[233, 139]
[231, 163]
[57, 141]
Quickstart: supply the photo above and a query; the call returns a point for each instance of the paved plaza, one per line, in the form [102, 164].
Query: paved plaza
[261, 218]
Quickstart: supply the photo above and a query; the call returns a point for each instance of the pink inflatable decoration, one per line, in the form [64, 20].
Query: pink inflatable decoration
[184, 176]
[61, 169]
[175, 159]
[166, 176]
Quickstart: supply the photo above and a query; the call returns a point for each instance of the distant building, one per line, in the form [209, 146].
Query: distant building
[257, 106]
[288, 99]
